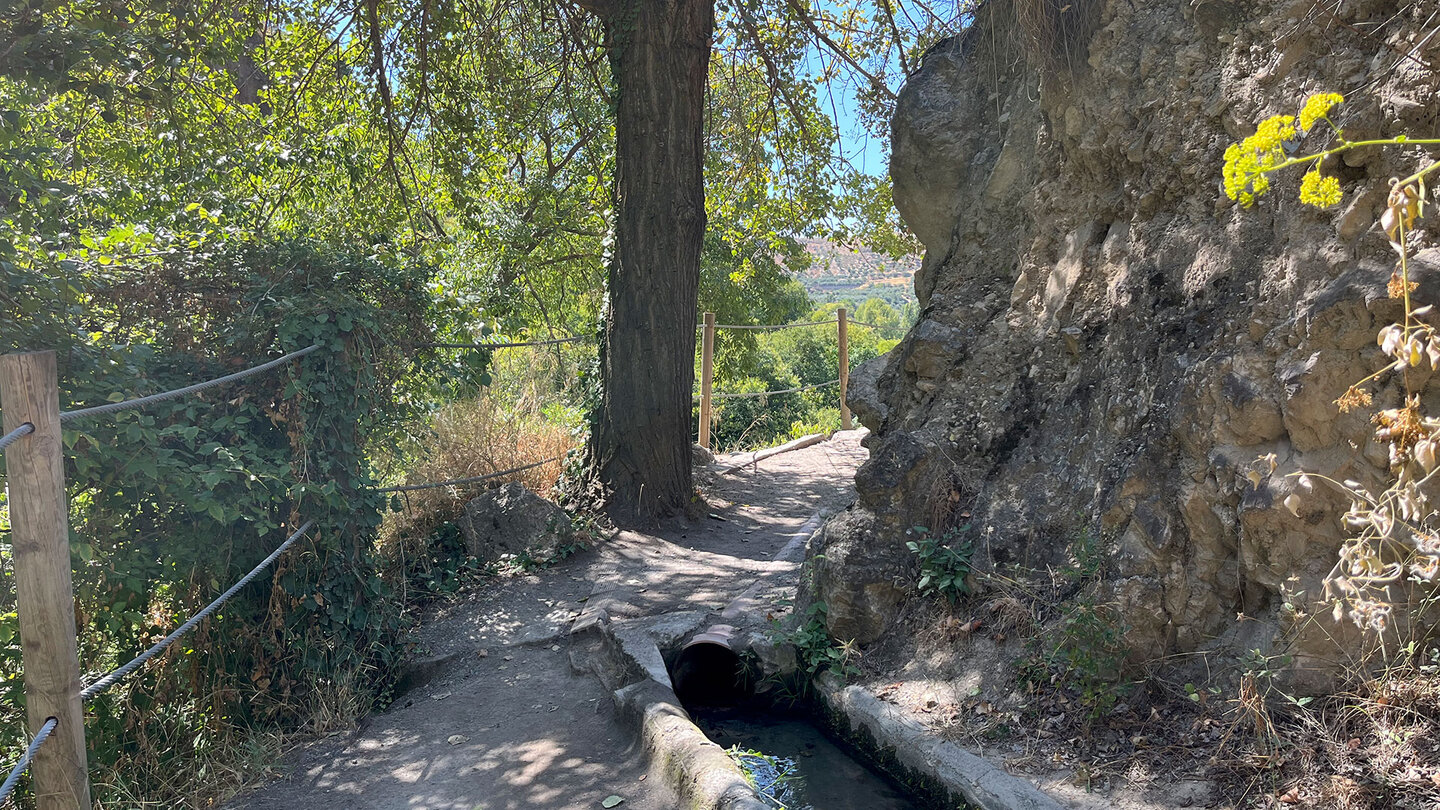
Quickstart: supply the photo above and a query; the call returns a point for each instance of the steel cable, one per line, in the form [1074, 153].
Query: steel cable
[473, 480]
[115, 677]
[575, 339]
[773, 326]
[141, 402]
[772, 393]
[14, 435]
[20, 767]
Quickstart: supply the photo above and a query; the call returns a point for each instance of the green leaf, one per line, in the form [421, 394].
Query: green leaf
[612, 801]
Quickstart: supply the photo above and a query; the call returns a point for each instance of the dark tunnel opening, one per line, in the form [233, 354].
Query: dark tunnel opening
[709, 673]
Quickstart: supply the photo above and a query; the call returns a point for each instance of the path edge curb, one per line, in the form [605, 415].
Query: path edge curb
[699, 772]
[914, 747]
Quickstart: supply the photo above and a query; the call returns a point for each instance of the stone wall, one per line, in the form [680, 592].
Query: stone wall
[1107, 343]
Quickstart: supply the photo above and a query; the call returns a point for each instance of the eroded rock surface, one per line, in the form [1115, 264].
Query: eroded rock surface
[1107, 343]
[515, 521]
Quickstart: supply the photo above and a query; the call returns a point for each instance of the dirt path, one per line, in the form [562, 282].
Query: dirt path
[502, 722]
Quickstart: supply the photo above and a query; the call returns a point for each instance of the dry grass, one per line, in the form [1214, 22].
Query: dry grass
[1371, 749]
[1056, 32]
[468, 439]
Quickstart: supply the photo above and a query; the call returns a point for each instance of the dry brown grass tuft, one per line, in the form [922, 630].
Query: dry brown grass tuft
[1056, 32]
[468, 439]
[1009, 614]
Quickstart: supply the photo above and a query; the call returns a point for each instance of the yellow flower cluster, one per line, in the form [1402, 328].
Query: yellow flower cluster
[1247, 162]
[1317, 107]
[1319, 190]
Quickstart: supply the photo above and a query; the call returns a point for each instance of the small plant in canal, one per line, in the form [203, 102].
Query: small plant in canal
[776, 779]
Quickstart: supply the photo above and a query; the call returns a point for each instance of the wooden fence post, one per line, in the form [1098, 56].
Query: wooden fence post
[40, 529]
[844, 330]
[707, 376]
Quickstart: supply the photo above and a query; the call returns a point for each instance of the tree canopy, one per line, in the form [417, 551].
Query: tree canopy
[188, 186]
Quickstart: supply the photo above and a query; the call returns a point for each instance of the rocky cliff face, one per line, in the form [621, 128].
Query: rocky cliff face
[1108, 343]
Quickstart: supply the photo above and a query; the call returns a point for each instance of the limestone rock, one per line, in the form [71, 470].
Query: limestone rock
[1107, 344]
[700, 456]
[513, 520]
[863, 393]
[856, 583]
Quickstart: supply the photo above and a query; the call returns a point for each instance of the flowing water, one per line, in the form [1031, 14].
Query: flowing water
[806, 771]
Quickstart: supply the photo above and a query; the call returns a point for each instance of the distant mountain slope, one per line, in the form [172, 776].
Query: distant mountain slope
[838, 273]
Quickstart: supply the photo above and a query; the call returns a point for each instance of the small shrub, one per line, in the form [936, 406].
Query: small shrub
[1082, 650]
[816, 650]
[944, 562]
[1086, 654]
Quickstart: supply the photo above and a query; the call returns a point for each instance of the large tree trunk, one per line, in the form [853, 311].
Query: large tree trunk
[640, 445]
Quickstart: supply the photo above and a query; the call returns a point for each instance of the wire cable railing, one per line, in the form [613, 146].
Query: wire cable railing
[15, 435]
[140, 402]
[475, 479]
[24, 764]
[158, 647]
[556, 341]
[52, 723]
[753, 394]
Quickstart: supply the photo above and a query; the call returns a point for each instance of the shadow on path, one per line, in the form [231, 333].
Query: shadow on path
[504, 723]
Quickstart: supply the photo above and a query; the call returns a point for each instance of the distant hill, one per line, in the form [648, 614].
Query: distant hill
[838, 273]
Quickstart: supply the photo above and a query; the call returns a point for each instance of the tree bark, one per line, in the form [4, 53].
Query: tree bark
[640, 442]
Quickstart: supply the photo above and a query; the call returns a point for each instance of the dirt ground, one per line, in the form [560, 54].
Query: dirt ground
[500, 721]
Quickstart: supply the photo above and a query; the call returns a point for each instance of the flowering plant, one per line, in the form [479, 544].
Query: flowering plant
[1392, 536]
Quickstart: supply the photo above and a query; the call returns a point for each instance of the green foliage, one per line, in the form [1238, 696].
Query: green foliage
[826, 420]
[1083, 649]
[1087, 654]
[173, 503]
[784, 359]
[944, 561]
[890, 322]
[815, 649]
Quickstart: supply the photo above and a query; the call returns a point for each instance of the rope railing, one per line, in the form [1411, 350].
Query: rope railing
[471, 480]
[575, 339]
[140, 402]
[119, 674]
[788, 325]
[14, 435]
[24, 764]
